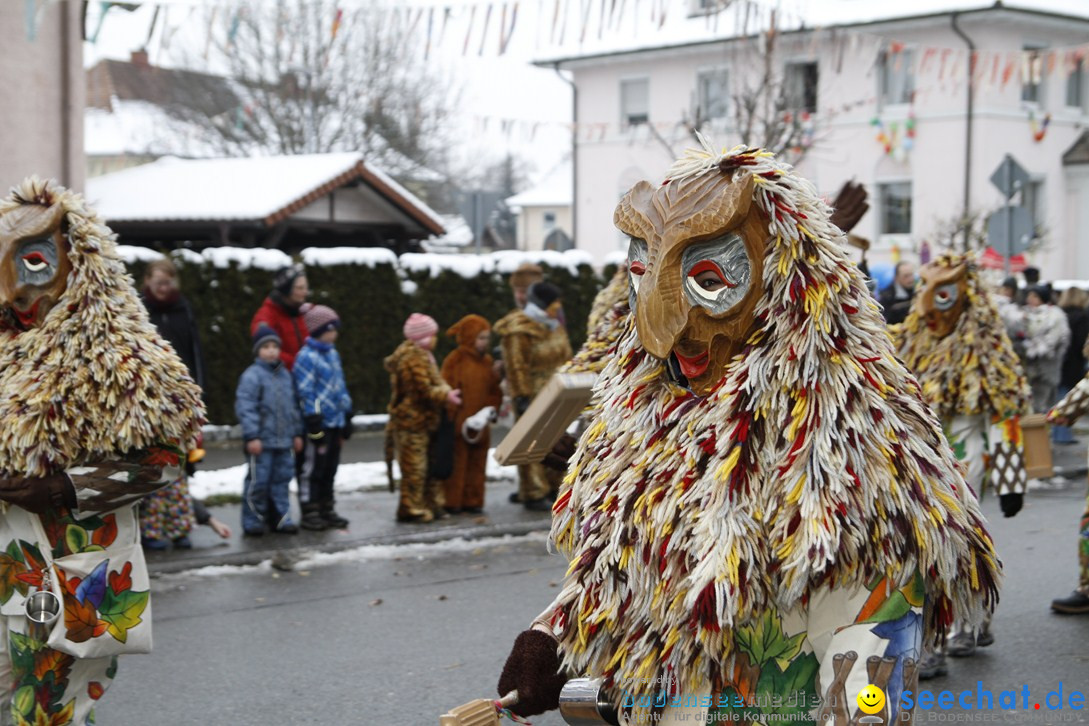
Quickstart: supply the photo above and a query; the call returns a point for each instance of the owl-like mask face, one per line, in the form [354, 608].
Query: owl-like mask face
[34, 265]
[695, 263]
[943, 297]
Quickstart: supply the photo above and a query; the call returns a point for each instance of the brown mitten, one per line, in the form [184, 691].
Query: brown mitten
[533, 669]
[561, 453]
[53, 493]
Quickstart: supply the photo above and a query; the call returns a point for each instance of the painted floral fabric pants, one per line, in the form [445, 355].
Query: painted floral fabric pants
[40, 685]
[808, 664]
[1083, 550]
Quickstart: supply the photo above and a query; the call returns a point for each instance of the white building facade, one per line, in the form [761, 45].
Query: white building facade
[886, 105]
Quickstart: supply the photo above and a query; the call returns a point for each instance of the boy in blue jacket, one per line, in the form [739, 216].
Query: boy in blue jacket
[268, 408]
[327, 416]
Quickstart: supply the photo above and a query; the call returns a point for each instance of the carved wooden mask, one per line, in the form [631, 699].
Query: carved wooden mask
[695, 262]
[34, 264]
[943, 297]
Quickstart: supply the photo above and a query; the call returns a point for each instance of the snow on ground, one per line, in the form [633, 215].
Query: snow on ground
[370, 420]
[357, 477]
[364, 553]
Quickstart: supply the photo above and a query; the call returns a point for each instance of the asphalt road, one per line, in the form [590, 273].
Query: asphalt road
[399, 638]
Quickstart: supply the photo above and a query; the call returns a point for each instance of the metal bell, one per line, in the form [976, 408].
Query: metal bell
[42, 607]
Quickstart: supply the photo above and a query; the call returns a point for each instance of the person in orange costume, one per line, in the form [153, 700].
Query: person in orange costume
[470, 368]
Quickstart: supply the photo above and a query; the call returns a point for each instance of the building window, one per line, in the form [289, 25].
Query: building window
[896, 76]
[1075, 85]
[713, 90]
[1032, 72]
[549, 220]
[895, 200]
[800, 86]
[634, 102]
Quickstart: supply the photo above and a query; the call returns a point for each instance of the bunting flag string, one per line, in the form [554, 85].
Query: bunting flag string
[484, 33]
[469, 31]
[430, 22]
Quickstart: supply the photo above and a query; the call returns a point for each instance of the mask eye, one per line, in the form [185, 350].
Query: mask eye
[35, 262]
[716, 273]
[945, 297]
[637, 265]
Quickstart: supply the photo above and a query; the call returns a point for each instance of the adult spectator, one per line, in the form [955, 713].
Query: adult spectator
[535, 343]
[896, 298]
[172, 315]
[280, 311]
[1013, 317]
[1047, 337]
[167, 515]
[1073, 302]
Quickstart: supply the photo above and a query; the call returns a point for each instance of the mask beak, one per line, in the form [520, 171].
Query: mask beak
[660, 326]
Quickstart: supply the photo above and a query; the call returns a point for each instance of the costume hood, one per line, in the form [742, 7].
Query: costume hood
[465, 331]
[974, 369]
[95, 379]
[814, 461]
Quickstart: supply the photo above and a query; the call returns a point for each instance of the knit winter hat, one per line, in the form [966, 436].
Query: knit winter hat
[264, 334]
[543, 294]
[526, 274]
[465, 330]
[420, 327]
[285, 278]
[319, 319]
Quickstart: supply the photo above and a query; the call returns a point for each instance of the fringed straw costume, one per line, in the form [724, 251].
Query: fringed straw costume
[764, 501]
[91, 390]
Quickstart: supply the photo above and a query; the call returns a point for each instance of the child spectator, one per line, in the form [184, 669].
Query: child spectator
[327, 415]
[471, 370]
[415, 408]
[268, 408]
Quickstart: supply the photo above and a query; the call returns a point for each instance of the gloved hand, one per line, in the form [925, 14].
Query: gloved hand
[314, 429]
[561, 453]
[346, 430]
[521, 403]
[533, 669]
[1011, 503]
[39, 495]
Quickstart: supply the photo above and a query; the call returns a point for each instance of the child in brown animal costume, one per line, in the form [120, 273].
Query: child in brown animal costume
[470, 369]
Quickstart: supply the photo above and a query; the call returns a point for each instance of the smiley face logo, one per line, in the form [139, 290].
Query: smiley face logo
[871, 699]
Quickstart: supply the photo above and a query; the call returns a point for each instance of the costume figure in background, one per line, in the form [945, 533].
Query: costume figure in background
[763, 512]
[955, 341]
[95, 413]
[1073, 406]
[415, 407]
[535, 344]
[282, 311]
[525, 275]
[327, 416]
[609, 314]
[167, 515]
[1047, 336]
[1074, 303]
[267, 406]
[470, 369]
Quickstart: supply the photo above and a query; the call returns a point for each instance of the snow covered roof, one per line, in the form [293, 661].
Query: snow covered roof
[554, 190]
[263, 189]
[735, 20]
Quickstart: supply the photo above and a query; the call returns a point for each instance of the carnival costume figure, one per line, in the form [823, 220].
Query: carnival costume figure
[955, 341]
[96, 411]
[1073, 406]
[763, 516]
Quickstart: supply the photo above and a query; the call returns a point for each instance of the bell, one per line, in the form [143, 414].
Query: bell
[42, 607]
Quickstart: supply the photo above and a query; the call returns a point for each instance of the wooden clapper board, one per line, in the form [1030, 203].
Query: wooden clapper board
[560, 402]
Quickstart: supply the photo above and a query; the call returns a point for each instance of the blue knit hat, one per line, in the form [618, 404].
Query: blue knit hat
[264, 334]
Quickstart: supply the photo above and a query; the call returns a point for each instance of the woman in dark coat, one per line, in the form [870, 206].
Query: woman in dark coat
[1073, 301]
[167, 515]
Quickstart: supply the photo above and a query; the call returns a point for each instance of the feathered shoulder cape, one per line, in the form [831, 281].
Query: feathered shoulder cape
[814, 462]
[95, 379]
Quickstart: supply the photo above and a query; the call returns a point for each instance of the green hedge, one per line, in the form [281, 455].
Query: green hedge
[372, 304]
